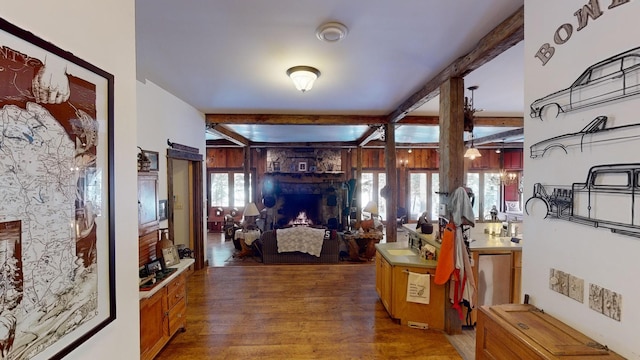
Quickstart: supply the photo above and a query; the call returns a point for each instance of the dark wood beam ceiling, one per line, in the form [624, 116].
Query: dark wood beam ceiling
[228, 134]
[496, 137]
[278, 119]
[501, 38]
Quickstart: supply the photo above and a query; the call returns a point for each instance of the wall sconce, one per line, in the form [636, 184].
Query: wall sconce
[404, 162]
[303, 77]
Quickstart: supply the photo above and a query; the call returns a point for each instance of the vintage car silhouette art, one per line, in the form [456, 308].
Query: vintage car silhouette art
[595, 132]
[611, 79]
[607, 199]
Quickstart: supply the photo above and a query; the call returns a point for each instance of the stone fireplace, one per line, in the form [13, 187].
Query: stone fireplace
[321, 203]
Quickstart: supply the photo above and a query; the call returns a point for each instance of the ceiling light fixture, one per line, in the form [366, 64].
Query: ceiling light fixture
[303, 77]
[472, 153]
[331, 32]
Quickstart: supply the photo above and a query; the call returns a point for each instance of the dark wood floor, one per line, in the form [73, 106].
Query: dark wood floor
[296, 312]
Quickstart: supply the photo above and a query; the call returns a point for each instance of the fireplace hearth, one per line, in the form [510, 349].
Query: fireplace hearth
[321, 203]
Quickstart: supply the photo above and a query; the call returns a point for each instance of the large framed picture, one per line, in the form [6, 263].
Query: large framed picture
[56, 184]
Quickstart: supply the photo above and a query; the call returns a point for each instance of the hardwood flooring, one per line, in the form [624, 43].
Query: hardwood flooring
[295, 312]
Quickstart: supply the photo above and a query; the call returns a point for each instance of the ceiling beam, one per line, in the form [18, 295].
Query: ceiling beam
[502, 37]
[228, 134]
[367, 136]
[280, 119]
[488, 121]
[499, 136]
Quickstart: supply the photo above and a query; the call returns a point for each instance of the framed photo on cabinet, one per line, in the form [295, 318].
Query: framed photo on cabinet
[57, 112]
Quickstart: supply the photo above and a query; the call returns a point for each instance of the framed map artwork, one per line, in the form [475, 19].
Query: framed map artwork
[57, 279]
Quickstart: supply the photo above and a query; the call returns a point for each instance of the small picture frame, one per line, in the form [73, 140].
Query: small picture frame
[276, 166]
[162, 210]
[153, 158]
[302, 166]
[171, 256]
[154, 266]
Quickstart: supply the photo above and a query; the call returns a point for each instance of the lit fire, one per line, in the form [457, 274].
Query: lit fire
[301, 219]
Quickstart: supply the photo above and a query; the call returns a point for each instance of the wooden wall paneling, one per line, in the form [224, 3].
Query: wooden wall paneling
[235, 157]
[210, 157]
[513, 159]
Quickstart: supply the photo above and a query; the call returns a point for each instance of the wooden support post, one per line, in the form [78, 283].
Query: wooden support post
[358, 187]
[392, 182]
[247, 169]
[451, 160]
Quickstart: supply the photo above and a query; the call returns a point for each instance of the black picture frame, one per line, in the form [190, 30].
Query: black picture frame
[162, 210]
[72, 109]
[153, 159]
[155, 266]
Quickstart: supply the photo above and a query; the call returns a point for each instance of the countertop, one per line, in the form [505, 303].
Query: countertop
[403, 260]
[181, 267]
[482, 240]
[479, 241]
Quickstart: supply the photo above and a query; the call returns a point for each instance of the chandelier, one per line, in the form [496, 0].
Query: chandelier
[505, 177]
[508, 178]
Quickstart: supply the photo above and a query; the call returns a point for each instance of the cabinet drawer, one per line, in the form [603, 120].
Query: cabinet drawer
[177, 316]
[176, 283]
[175, 295]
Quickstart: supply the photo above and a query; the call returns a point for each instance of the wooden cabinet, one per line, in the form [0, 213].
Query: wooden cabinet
[147, 217]
[514, 331]
[164, 313]
[147, 202]
[391, 284]
[514, 276]
[383, 281]
[154, 325]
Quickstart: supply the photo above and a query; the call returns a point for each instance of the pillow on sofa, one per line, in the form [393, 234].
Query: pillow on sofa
[513, 206]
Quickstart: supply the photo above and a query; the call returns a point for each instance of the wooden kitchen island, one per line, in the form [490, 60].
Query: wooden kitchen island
[394, 262]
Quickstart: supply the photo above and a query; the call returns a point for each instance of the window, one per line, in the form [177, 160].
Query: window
[491, 194]
[227, 189]
[382, 202]
[473, 182]
[417, 194]
[435, 203]
[366, 194]
[219, 189]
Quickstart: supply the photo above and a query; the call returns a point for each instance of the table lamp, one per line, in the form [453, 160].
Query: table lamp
[371, 208]
[250, 214]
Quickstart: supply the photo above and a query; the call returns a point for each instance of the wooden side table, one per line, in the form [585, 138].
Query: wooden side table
[362, 246]
[246, 238]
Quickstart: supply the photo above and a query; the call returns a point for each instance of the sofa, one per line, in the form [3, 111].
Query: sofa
[268, 246]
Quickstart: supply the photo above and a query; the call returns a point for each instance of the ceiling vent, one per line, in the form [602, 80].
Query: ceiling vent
[331, 32]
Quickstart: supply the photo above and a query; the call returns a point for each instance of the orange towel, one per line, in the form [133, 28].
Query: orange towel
[446, 258]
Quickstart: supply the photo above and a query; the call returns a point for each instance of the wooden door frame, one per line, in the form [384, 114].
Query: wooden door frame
[196, 223]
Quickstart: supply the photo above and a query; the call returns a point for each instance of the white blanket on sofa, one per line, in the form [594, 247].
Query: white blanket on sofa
[300, 238]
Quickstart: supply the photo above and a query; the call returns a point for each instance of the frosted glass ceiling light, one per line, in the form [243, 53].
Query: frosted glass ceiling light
[303, 77]
[472, 153]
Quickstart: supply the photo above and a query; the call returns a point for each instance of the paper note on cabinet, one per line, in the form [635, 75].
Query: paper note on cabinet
[418, 288]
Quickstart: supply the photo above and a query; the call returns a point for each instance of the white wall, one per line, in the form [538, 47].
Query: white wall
[88, 30]
[162, 116]
[181, 205]
[595, 255]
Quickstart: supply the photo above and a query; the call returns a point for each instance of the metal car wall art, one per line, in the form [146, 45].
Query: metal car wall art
[611, 79]
[607, 199]
[595, 132]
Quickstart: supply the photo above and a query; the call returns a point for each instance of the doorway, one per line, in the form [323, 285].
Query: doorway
[185, 215]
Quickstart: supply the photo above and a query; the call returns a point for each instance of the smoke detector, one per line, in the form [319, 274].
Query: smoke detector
[331, 32]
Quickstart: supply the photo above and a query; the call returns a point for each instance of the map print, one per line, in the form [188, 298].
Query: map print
[50, 197]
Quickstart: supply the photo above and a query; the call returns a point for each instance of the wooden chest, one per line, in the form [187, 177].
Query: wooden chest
[515, 331]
